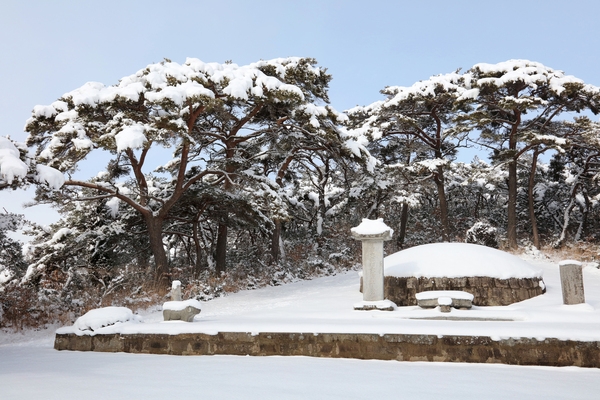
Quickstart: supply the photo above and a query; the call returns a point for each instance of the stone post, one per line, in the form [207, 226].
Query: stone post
[372, 234]
[571, 280]
[176, 291]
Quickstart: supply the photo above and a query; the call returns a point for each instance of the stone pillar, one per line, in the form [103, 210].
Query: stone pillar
[571, 280]
[176, 291]
[372, 234]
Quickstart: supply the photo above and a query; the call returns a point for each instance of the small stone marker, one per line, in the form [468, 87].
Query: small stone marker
[176, 291]
[571, 280]
[181, 310]
[372, 234]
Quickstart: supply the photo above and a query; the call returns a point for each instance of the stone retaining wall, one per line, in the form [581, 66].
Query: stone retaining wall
[486, 291]
[472, 349]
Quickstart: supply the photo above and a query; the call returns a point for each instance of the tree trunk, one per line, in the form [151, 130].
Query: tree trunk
[534, 227]
[275, 239]
[221, 251]
[511, 229]
[162, 278]
[403, 224]
[197, 249]
[441, 189]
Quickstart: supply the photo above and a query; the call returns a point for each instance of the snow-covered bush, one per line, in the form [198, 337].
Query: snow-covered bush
[102, 317]
[483, 233]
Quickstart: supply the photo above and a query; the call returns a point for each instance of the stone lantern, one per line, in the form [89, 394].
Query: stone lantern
[372, 234]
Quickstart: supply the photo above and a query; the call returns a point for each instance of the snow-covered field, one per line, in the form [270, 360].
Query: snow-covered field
[31, 369]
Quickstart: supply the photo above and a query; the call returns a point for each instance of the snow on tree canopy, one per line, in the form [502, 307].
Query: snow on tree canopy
[162, 86]
[457, 260]
[53, 177]
[528, 72]
[11, 165]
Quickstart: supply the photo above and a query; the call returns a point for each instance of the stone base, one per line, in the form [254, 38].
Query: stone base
[486, 291]
[187, 314]
[473, 349]
[383, 305]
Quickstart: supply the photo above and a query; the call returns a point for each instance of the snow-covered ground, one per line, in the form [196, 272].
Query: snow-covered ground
[31, 369]
[325, 305]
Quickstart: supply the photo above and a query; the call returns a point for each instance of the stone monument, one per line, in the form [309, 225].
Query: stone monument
[571, 280]
[372, 234]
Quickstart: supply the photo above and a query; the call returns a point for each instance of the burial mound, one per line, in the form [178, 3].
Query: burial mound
[494, 277]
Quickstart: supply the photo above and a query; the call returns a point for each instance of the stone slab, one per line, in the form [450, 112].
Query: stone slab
[471, 349]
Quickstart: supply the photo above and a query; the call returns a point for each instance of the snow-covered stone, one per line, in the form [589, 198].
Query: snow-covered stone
[371, 227]
[181, 310]
[372, 234]
[103, 317]
[571, 280]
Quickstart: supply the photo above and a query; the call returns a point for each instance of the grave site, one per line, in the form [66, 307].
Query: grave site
[452, 302]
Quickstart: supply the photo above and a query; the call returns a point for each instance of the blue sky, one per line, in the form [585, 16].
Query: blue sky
[51, 47]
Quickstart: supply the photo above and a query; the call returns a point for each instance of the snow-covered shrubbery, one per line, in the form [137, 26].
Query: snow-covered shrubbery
[483, 233]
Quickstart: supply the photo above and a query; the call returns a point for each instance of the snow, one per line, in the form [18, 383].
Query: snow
[182, 305]
[113, 206]
[453, 294]
[321, 305]
[528, 72]
[570, 262]
[51, 176]
[379, 304]
[36, 371]
[456, 260]
[102, 317]
[325, 305]
[372, 227]
[131, 137]
[445, 301]
[11, 165]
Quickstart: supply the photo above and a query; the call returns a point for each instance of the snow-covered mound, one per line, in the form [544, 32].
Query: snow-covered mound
[101, 317]
[455, 260]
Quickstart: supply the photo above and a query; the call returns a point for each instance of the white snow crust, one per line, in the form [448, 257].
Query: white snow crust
[182, 305]
[320, 305]
[325, 305]
[372, 227]
[11, 166]
[570, 262]
[34, 370]
[456, 260]
[131, 137]
[103, 317]
[51, 176]
[444, 301]
[434, 294]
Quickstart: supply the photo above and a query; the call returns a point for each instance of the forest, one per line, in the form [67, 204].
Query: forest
[230, 177]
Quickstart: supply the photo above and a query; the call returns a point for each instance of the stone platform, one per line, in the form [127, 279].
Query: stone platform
[486, 291]
[401, 347]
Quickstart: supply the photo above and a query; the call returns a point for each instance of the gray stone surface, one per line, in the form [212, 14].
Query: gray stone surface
[187, 314]
[571, 280]
[372, 262]
[486, 291]
[456, 303]
[176, 291]
[478, 349]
